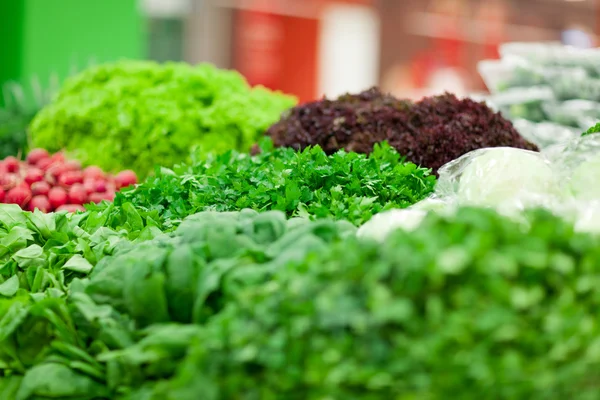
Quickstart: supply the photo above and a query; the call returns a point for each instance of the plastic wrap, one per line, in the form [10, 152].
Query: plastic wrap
[381, 225]
[500, 75]
[575, 113]
[530, 50]
[563, 178]
[554, 54]
[504, 178]
[545, 134]
[588, 217]
[545, 82]
[574, 87]
[578, 166]
[524, 103]
[408, 219]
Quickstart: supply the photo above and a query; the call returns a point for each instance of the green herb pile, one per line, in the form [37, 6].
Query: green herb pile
[310, 183]
[247, 305]
[139, 114]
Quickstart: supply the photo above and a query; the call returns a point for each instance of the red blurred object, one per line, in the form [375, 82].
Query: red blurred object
[280, 50]
[259, 46]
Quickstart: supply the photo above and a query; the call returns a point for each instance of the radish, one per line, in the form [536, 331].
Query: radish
[40, 188]
[50, 181]
[89, 185]
[72, 165]
[71, 208]
[8, 181]
[77, 194]
[94, 172]
[11, 163]
[57, 197]
[58, 157]
[41, 203]
[125, 178]
[100, 186]
[69, 178]
[22, 184]
[96, 197]
[109, 195]
[44, 164]
[99, 197]
[57, 169]
[34, 175]
[36, 155]
[19, 195]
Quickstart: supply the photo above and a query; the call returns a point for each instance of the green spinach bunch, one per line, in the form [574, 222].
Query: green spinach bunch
[139, 114]
[44, 252]
[106, 338]
[309, 183]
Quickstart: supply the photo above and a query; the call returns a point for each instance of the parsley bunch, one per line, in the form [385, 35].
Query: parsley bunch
[310, 183]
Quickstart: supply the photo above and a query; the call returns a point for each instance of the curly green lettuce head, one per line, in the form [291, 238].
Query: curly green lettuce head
[139, 114]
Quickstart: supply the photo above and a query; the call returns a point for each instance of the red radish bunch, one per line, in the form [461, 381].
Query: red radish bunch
[49, 182]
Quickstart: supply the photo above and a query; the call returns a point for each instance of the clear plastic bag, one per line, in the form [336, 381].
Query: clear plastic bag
[524, 103]
[501, 75]
[573, 112]
[564, 178]
[587, 216]
[503, 178]
[576, 87]
[381, 225]
[578, 166]
[408, 219]
[554, 54]
[536, 51]
[545, 134]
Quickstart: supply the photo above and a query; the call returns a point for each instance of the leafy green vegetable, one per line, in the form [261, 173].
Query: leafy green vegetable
[146, 291]
[20, 104]
[39, 252]
[593, 129]
[138, 114]
[309, 184]
[246, 306]
[468, 307]
[13, 131]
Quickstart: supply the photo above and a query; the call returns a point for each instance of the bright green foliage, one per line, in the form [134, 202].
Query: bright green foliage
[138, 114]
[593, 129]
[309, 183]
[18, 112]
[13, 131]
[472, 307]
[85, 338]
[44, 252]
[251, 306]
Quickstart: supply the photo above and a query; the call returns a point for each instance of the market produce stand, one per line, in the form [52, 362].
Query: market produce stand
[371, 248]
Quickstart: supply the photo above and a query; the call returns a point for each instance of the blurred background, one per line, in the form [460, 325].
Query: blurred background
[309, 48]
